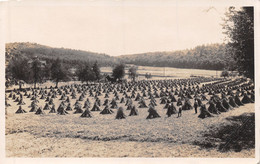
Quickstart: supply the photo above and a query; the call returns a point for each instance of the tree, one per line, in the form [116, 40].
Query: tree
[148, 75]
[58, 73]
[96, 71]
[47, 71]
[36, 71]
[119, 71]
[133, 72]
[239, 28]
[18, 70]
[85, 73]
[224, 74]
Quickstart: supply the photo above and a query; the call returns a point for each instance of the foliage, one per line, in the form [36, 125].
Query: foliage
[58, 73]
[239, 28]
[119, 71]
[85, 73]
[16, 71]
[36, 71]
[68, 56]
[148, 75]
[211, 57]
[224, 73]
[132, 72]
[96, 71]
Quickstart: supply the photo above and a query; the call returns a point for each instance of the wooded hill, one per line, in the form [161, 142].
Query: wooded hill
[68, 56]
[210, 57]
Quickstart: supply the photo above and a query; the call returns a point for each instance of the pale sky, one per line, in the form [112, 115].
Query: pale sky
[115, 27]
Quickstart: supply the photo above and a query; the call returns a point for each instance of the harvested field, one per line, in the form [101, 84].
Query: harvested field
[53, 135]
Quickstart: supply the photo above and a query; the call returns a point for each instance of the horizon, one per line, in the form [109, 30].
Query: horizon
[116, 28]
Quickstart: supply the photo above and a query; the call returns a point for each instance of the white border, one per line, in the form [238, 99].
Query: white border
[4, 21]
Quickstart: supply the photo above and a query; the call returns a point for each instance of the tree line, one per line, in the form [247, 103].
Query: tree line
[210, 57]
[22, 70]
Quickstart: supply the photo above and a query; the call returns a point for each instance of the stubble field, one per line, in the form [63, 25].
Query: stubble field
[52, 135]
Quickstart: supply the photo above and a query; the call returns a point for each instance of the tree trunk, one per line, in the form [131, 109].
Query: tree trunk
[35, 85]
[57, 84]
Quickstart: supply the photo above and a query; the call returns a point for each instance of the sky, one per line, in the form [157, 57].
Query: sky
[115, 27]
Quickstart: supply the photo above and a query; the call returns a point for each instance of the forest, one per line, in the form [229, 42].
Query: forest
[210, 57]
[68, 56]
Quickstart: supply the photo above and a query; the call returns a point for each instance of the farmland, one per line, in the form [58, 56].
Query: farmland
[167, 72]
[53, 135]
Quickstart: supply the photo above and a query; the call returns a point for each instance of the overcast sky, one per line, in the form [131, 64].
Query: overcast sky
[115, 27]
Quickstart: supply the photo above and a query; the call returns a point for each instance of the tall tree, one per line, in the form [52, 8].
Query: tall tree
[85, 73]
[58, 73]
[239, 28]
[119, 71]
[132, 72]
[36, 71]
[96, 71]
[18, 70]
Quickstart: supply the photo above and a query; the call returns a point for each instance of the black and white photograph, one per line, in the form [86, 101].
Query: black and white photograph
[130, 79]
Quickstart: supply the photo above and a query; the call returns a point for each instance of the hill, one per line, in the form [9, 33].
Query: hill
[211, 57]
[69, 56]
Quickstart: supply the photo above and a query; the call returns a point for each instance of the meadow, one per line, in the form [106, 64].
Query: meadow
[167, 72]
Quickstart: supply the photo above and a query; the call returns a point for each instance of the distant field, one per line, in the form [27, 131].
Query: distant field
[168, 72]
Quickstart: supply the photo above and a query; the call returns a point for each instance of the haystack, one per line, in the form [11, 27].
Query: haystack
[86, 104]
[106, 110]
[95, 107]
[53, 110]
[33, 108]
[120, 114]
[86, 113]
[246, 99]
[61, 110]
[68, 107]
[133, 111]
[171, 110]
[226, 104]
[238, 101]
[122, 100]
[232, 102]
[152, 113]
[20, 110]
[51, 102]
[142, 104]
[39, 111]
[212, 108]
[78, 109]
[113, 104]
[46, 107]
[204, 113]
[220, 107]
[21, 102]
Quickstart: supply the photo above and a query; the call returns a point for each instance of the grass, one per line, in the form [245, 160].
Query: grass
[236, 134]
